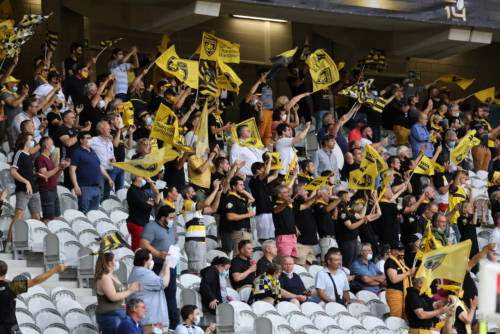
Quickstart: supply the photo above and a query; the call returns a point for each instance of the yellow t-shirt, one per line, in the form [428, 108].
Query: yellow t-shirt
[201, 180]
[455, 197]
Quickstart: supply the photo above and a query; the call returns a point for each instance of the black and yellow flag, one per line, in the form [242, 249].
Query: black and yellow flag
[358, 91]
[276, 161]
[363, 178]
[371, 156]
[202, 132]
[107, 43]
[463, 148]
[166, 128]
[149, 165]
[162, 46]
[373, 61]
[226, 78]
[183, 69]
[383, 184]
[110, 242]
[486, 96]
[323, 70]
[208, 81]
[279, 62]
[428, 242]
[51, 39]
[213, 47]
[254, 141]
[6, 29]
[377, 103]
[32, 20]
[306, 51]
[452, 78]
[319, 182]
[425, 167]
[6, 13]
[126, 109]
[291, 167]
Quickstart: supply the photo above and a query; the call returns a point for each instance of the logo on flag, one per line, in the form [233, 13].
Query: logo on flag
[175, 66]
[325, 77]
[455, 79]
[434, 262]
[210, 45]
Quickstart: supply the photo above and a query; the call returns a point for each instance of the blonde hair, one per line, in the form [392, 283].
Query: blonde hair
[281, 101]
[141, 144]
[357, 207]
[465, 204]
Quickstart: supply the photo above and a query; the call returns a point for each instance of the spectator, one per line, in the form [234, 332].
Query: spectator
[494, 238]
[371, 278]
[48, 188]
[119, 146]
[193, 212]
[76, 51]
[267, 287]
[51, 88]
[284, 145]
[13, 105]
[74, 86]
[213, 284]
[367, 134]
[307, 173]
[385, 252]
[296, 82]
[411, 252]
[442, 182]
[10, 290]
[95, 105]
[86, 172]
[144, 123]
[199, 172]
[23, 171]
[143, 148]
[458, 195]
[55, 120]
[270, 252]
[355, 134]
[464, 314]
[410, 90]
[119, 67]
[467, 223]
[450, 141]
[158, 237]
[174, 171]
[191, 317]
[242, 271]
[191, 124]
[400, 179]
[251, 107]
[281, 115]
[292, 287]
[308, 236]
[136, 92]
[326, 120]
[136, 311]
[437, 228]
[29, 113]
[111, 293]
[216, 126]
[481, 154]
[398, 278]
[493, 182]
[324, 158]
[266, 98]
[430, 210]
[323, 211]
[3, 196]
[152, 289]
[103, 147]
[495, 203]
[419, 136]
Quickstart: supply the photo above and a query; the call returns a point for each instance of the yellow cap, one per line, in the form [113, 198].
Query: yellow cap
[11, 79]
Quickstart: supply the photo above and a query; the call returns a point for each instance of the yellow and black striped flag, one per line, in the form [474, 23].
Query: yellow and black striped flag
[32, 20]
[107, 43]
[51, 39]
[110, 242]
[373, 61]
[208, 81]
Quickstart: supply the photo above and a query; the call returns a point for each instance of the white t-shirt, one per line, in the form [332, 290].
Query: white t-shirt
[324, 282]
[285, 148]
[337, 151]
[42, 91]
[365, 141]
[182, 329]
[380, 265]
[495, 238]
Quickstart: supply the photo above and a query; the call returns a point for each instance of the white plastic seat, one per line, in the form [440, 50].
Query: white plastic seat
[35, 305]
[82, 329]
[73, 319]
[30, 329]
[93, 215]
[233, 294]
[110, 204]
[347, 323]
[63, 306]
[122, 194]
[37, 289]
[61, 293]
[366, 296]
[54, 330]
[24, 318]
[71, 249]
[66, 235]
[358, 310]
[395, 323]
[370, 323]
[104, 228]
[188, 280]
[245, 294]
[379, 310]
[299, 269]
[260, 308]
[214, 253]
[62, 190]
[309, 282]
[309, 309]
[86, 237]
[323, 322]
[68, 201]
[80, 225]
[314, 269]
[56, 225]
[381, 296]
[335, 310]
[285, 308]
[298, 322]
[121, 252]
[117, 216]
[257, 255]
[45, 319]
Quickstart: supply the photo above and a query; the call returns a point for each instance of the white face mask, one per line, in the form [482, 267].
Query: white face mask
[90, 142]
[283, 117]
[410, 85]
[151, 265]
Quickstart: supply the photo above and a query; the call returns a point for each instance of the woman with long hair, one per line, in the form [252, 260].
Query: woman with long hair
[111, 293]
[467, 223]
[213, 284]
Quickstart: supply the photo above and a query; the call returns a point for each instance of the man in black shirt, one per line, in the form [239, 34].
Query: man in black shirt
[352, 160]
[243, 268]
[323, 210]
[174, 170]
[222, 166]
[425, 217]
[307, 173]
[74, 85]
[217, 127]
[481, 154]
[297, 86]
[409, 219]
[321, 105]
[119, 145]
[419, 308]
[308, 236]
[270, 252]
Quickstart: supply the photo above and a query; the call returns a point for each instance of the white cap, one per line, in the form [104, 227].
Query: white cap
[407, 80]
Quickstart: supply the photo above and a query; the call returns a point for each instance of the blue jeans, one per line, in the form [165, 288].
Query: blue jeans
[104, 188]
[89, 200]
[458, 236]
[170, 290]
[109, 321]
[247, 185]
[319, 115]
[118, 176]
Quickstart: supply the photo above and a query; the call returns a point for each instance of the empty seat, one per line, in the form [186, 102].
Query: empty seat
[71, 249]
[110, 204]
[366, 296]
[35, 305]
[85, 329]
[63, 306]
[73, 319]
[28, 328]
[33, 292]
[61, 293]
[86, 237]
[310, 309]
[299, 322]
[28, 235]
[380, 310]
[117, 216]
[335, 310]
[45, 319]
[314, 269]
[66, 235]
[286, 308]
[104, 228]
[188, 280]
[309, 282]
[121, 252]
[299, 269]
[56, 225]
[346, 323]
[24, 317]
[260, 308]
[94, 215]
[233, 294]
[371, 323]
[381, 296]
[358, 310]
[78, 225]
[395, 323]
[323, 323]
[67, 202]
[245, 294]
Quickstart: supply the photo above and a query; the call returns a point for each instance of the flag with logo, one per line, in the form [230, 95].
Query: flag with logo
[371, 156]
[377, 103]
[323, 70]
[164, 125]
[110, 242]
[358, 91]
[438, 168]
[107, 43]
[279, 62]
[275, 160]
[458, 80]
[383, 184]
[162, 45]
[149, 165]
[51, 39]
[428, 242]
[363, 178]
[306, 51]
[127, 111]
[182, 69]
[318, 182]
[6, 29]
[254, 141]
[486, 96]
[425, 167]
[291, 167]
[449, 262]
[463, 148]
[198, 49]
[213, 47]
[202, 132]
[6, 11]
[226, 78]
[373, 61]
[208, 80]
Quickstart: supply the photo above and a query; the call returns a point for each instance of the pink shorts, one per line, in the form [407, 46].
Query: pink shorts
[287, 245]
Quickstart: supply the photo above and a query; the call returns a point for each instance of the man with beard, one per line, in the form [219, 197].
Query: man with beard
[136, 93]
[428, 193]
[353, 160]
[221, 168]
[307, 174]
[367, 134]
[426, 216]
[308, 234]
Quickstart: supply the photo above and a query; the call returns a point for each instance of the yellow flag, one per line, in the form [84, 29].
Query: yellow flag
[127, 110]
[148, 166]
[318, 182]
[162, 46]
[363, 178]
[291, 167]
[383, 184]
[452, 78]
[371, 156]
[198, 50]
[183, 69]
[448, 262]
[166, 128]
[154, 144]
[213, 47]
[463, 148]
[425, 166]
[202, 132]
[486, 96]
[226, 78]
[323, 70]
[6, 29]
[428, 243]
[438, 168]
[276, 161]
[6, 11]
[254, 141]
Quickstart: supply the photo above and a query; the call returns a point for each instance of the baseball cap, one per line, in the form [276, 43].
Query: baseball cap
[361, 118]
[415, 237]
[407, 80]
[53, 74]
[11, 79]
[79, 66]
[397, 245]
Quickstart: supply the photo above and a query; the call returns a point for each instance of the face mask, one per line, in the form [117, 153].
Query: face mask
[157, 331]
[436, 99]
[197, 321]
[170, 223]
[14, 89]
[84, 75]
[401, 256]
[79, 54]
[440, 123]
[457, 114]
[284, 272]
[439, 229]
[417, 104]
[60, 106]
[120, 57]
[52, 149]
[90, 142]
[32, 144]
[369, 257]
[143, 183]
[194, 198]
[410, 85]
[390, 183]
[451, 144]
[283, 117]
[375, 93]
[102, 104]
[254, 102]
[149, 121]
[224, 273]
[117, 266]
[151, 265]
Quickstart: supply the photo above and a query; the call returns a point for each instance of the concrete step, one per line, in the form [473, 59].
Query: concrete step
[87, 300]
[49, 285]
[6, 256]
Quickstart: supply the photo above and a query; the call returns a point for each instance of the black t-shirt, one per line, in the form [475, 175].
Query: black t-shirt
[248, 111]
[421, 207]
[477, 125]
[324, 220]
[459, 324]
[468, 232]
[120, 150]
[237, 203]
[350, 168]
[216, 176]
[137, 102]
[343, 233]
[439, 179]
[495, 208]
[173, 176]
[91, 114]
[413, 302]
[374, 117]
[154, 103]
[492, 189]
[387, 224]
[54, 116]
[420, 225]
[239, 265]
[470, 289]
[216, 121]
[308, 232]
[8, 293]
[391, 264]
[262, 265]
[23, 162]
[63, 130]
[74, 87]
[284, 221]
[224, 224]
[398, 179]
[68, 65]
[406, 228]
[402, 119]
[297, 90]
[321, 100]
[260, 191]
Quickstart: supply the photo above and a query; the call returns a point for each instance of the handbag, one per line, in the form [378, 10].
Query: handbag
[338, 299]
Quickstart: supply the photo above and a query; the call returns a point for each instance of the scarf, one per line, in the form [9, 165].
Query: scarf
[236, 195]
[302, 174]
[407, 281]
[280, 202]
[456, 303]
[170, 204]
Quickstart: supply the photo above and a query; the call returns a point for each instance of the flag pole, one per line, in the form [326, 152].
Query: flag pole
[355, 103]
[81, 257]
[152, 63]
[2, 62]
[465, 98]
[196, 97]
[362, 69]
[102, 51]
[192, 55]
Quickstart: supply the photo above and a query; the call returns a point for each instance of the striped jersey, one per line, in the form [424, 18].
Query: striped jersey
[195, 226]
[457, 196]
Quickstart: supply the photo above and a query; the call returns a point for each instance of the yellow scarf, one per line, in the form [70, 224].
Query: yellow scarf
[407, 281]
[280, 202]
[236, 195]
[302, 174]
[170, 204]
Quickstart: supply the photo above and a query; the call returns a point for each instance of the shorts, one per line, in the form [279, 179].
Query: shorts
[287, 245]
[24, 200]
[443, 207]
[325, 244]
[306, 254]
[265, 226]
[50, 204]
[197, 256]
[226, 240]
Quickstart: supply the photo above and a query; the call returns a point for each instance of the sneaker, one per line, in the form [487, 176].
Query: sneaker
[9, 248]
[20, 256]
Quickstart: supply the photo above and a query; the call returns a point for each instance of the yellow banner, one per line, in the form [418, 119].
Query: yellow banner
[323, 70]
[148, 166]
[162, 46]
[448, 262]
[253, 142]
[428, 243]
[276, 161]
[198, 50]
[452, 78]
[166, 128]
[127, 110]
[226, 78]
[289, 171]
[383, 184]
[184, 70]
[486, 96]
[438, 168]
[363, 179]
[318, 182]
[6, 28]
[371, 156]
[425, 166]
[213, 47]
[202, 132]
[154, 144]
[463, 148]
[6, 11]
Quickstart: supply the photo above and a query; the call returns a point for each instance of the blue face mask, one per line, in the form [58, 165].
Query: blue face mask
[224, 273]
[143, 183]
[284, 272]
[170, 223]
[14, 89]
[375, 93]
[101, 104]
[120, 57]
[439, 229]
[457, 114]
[52, 149]
[451, 144]
[369, 257]
[149, 121]
[32, 144]
[117, 266]
[254, 102]
[197, 321]
[157, 331]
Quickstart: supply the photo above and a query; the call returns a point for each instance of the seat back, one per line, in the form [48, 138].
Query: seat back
[21, 234]
[263, 326]
[284, 308]
[347, 322]
[52, 248]
[321, 322]
[395, 323]
[259, 308]
[298, 321]
[225, 318]
[45, 319]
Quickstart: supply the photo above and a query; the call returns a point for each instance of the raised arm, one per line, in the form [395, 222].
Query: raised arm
[301, 135]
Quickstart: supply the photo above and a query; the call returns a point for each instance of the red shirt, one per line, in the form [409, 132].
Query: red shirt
[354, 134]
[43, 162]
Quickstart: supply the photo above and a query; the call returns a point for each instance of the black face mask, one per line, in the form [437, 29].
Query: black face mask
[417, 104]
[60, 106]
[440, 123]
